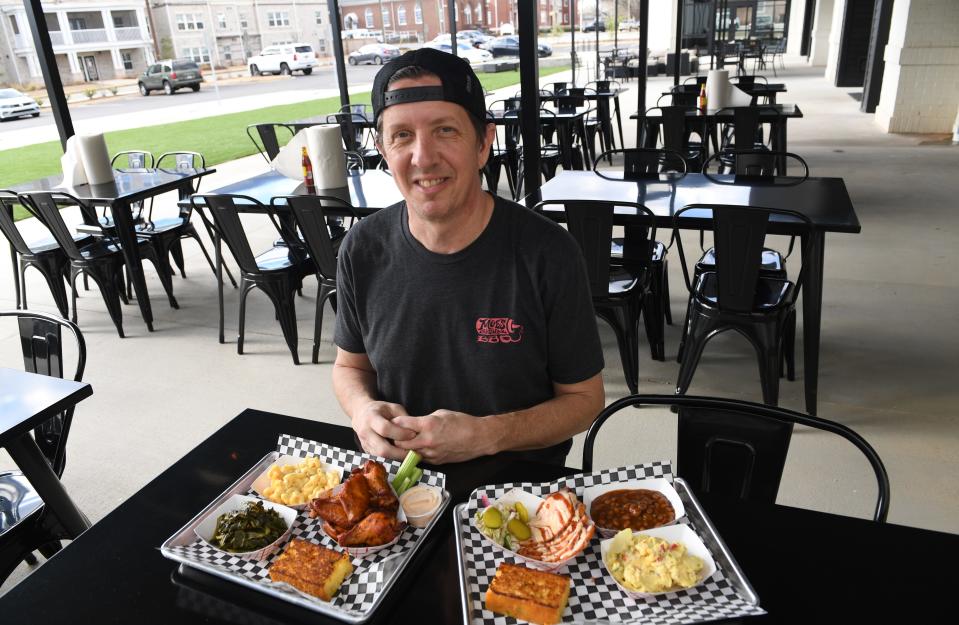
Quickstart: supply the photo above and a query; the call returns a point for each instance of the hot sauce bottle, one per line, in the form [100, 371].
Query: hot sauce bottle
[308, 173]
[702, 98]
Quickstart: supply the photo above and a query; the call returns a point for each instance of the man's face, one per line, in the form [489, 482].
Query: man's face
[434, 154]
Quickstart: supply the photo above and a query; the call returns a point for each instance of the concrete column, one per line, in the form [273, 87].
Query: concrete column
[74, 59]
[65, 28]
[117, 62]
[920, 86]
[819, 48]
[835, 40]
[797, 10]
[108, 24]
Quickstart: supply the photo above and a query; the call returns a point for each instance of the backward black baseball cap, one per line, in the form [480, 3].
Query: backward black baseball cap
[460, 84]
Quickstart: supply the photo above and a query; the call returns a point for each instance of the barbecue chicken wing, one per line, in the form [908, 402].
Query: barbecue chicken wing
[378, 528]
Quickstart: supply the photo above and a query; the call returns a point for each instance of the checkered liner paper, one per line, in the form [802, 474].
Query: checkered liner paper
[360, 591]
[594, 595]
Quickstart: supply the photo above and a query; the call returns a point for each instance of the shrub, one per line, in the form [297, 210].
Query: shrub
[90, 93]
[114, 90]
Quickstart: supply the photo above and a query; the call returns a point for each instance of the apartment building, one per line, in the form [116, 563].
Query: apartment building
[91, 40]
[227, 32]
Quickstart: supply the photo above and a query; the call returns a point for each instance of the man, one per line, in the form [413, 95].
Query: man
[464, 325]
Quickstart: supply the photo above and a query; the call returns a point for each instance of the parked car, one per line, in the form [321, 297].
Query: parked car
[170, 75]
[15, 104]
[375, 53]
[283, 59]
[594, 25]
[358, 33]
[506, 29]
[464, 50]
[509, 46]
[473, 37]
[629, 25]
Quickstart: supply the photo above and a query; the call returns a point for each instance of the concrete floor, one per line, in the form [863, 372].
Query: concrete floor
[889, 355]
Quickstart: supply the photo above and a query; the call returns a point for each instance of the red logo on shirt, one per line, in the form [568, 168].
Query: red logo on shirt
[498, 330]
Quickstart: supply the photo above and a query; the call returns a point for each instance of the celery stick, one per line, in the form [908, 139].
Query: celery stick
[416, 475]
[403, 486]
[409, 463]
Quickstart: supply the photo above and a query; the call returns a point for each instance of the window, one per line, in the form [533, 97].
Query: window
[386, 18]
[77, 23]
[200, 55]
[467, 15]
[401, 16]
[243, 22]
[322, 46]
[318, 17]
[369, 18]
[418, 13]
[13, 23]
[117, 21]
[542, 17]
[228, 53]
[278, 19]
[127, 60]
[221, 21]
[189, 21]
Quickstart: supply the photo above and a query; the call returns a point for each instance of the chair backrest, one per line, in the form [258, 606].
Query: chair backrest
[602, 86]
[225, 210]
[748, 81]
[673, 133]
[360, 111]
[181, 161]
[42, 346]
[132, 159]
[737, 448]
[760, 164]
[351, 132]
[739, 233]
[697, 80]
[591, 224]
[644, 163]
[746, 124]
[46, 206]
[8, 200]
[678, 96]
[354, 162]
[266, 138]
[309, 214]
[559, 87]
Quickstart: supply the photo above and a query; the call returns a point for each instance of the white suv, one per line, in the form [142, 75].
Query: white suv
[283, 59]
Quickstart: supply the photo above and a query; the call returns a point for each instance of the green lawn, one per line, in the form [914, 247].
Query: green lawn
[221, 138]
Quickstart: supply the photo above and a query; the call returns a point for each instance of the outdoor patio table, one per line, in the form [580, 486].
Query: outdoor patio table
[805, 565]
[824, 200]
[776, 116]
[26, 401]
[602, 99]
[568, 123]
[127, 188]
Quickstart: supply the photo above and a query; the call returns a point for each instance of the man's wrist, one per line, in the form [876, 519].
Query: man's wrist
[493, 435]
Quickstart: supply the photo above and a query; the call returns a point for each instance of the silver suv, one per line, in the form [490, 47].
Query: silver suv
[169, 76]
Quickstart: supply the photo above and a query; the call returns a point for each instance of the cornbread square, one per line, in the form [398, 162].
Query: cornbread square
[312, 568]
[527, 594]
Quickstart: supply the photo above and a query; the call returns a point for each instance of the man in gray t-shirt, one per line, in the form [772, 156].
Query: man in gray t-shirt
[464, 324]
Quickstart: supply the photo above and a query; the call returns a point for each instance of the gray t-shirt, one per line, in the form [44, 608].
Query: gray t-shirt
[483, 331]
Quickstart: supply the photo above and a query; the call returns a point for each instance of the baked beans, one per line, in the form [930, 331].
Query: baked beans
[637, 509]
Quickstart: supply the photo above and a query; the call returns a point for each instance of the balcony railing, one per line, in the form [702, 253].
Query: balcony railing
[56, 37]
[89, 35]
[130, 33]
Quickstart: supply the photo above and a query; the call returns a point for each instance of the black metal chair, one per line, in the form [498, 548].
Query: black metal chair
[267, 138]
[675, 134]
[505, 154]
[44, 255]
[618, 288]
[774, 51]
[25, 526]
[310, 216]
[101, 258]
[166, 233]
[737, 297]
[737, 449]
[278, 271]
[639, 164]
[550, 154]
[745, 132]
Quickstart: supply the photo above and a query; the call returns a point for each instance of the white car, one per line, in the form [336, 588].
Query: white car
[464, 50]
[14, 104]
[283, 59]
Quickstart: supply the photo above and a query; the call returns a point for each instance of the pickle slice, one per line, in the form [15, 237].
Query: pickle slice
[492, 518]
[518, 529]
[521, 512]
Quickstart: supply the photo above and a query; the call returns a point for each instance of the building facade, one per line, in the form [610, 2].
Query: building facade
[91, 40]
[227, 32]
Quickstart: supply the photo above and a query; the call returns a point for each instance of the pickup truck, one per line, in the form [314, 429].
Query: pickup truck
[283, 59]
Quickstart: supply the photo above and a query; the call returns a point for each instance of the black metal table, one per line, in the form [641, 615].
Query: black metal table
[805, 565]
[824, 200]
[127, 188]
[602, 99]
[26, 401]
[567, 122]
[757, 90]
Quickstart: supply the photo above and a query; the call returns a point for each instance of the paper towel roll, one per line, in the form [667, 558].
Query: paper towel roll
[95, 158]
[324, 144]
[289, 161]
[73, 174]
[717, 89]
[737, 97]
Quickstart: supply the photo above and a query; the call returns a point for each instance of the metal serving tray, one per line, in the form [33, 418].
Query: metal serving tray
[598, 604]
[387, 569]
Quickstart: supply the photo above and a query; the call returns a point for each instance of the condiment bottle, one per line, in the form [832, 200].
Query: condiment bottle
[308, 173]
[702, 97]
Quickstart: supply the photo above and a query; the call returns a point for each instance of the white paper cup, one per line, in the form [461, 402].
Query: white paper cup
[676, 534]
[657, 484]
[207, 526]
